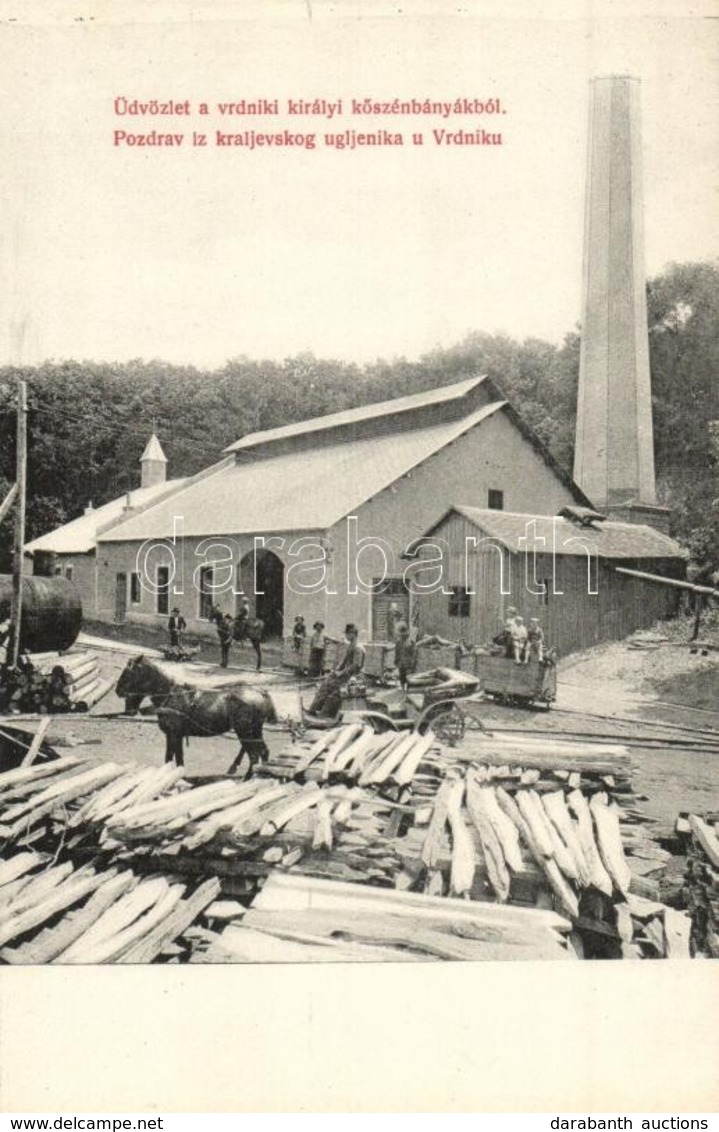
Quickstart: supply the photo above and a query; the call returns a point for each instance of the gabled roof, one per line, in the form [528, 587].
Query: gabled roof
[399, 405]
[606, 539]
[309, 490]
[153, 451]
[79, 536]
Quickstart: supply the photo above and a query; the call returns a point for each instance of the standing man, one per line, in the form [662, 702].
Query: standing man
[224, 632]
[176, 627]
[405, 653]
[394, 617]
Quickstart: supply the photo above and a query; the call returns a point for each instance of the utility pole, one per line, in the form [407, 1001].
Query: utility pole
[13, 646]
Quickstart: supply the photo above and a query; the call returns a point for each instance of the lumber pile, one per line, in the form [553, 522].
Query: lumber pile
[47, 683]
[355, 753]
[701, 886]
[299, 919]
[55, 797]
[56, 913]
[394, 814]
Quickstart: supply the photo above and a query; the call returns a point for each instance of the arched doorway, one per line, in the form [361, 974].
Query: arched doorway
[261, 577]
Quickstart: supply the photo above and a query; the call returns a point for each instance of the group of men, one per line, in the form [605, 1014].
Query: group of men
[521, 643]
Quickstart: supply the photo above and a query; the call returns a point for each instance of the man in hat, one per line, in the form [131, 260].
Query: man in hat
[176, 627]
[328, 699]
[318, 644]
[352, 662]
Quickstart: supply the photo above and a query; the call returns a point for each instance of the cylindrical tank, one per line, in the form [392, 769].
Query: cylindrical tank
[51, 612]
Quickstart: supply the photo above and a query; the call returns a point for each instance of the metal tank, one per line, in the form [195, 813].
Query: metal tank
[51, 612]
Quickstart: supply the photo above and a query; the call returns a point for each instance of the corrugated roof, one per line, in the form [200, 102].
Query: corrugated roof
[607, 539]
[308, 490]
[363, 413]
[153, 451]
[79, 536]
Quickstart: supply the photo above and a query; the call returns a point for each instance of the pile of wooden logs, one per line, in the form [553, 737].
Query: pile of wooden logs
[45, 683]
[701, 885]
[300, 919]
[56, 913]
[395, 813]
[355, 753]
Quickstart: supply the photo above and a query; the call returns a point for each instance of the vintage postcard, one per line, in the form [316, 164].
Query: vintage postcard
[359, 554]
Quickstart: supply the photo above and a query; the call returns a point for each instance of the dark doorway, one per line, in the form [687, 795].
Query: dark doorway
[120, 597]
[261, 576]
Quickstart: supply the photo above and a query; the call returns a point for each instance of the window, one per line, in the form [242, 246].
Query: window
[544, 600]
[206, 592]
[58, 571]
[459, 602]
[495, 499]
[163, 589]
[135, 591]
[69, 572]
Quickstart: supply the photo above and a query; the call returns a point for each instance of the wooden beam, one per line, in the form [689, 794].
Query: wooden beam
[8, 502]
[34, 748]
[676, 582]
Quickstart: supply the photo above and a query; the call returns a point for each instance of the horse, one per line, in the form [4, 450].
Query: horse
[244, 629]
[184, 710]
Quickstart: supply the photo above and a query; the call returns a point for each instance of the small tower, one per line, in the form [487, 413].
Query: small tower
[614, 452]
[153, 463]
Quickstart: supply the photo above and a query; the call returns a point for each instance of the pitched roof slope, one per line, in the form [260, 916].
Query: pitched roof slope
[153, 451]
[308, 490]
[373, 411]
[607, 539]
[79, 536]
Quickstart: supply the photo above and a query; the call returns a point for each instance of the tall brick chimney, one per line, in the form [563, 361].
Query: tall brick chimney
[614, 451]
[153, 463]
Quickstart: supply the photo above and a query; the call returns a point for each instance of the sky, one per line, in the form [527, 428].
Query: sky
[196, 255]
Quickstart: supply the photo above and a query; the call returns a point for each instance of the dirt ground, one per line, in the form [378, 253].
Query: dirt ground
[666, 694]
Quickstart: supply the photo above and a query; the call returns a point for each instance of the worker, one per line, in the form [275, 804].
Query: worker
[318, 644]
[299, 632]
[520, 640]
[394, 616]
[328, 699]
[224, 632]
[243, 616]
[176, 627]
[535, 636]
[405, 653]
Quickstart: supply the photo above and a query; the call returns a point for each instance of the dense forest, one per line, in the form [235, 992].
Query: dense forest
[88, 422]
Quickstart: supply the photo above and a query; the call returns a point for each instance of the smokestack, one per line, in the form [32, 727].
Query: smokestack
[614, 453]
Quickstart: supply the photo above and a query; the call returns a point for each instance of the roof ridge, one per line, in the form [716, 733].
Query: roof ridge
[368, 411]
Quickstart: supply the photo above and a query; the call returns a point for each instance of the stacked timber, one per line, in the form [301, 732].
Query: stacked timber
[39, 800]
[701, 886]
[300, 919]
[56, 913]
[355, 753]
[46, 683]
[436, 828]
[554, 847]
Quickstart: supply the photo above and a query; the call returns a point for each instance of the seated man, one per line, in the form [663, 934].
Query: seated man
[328, 699]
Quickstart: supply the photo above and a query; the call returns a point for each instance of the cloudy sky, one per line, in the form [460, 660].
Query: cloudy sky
[199, 254]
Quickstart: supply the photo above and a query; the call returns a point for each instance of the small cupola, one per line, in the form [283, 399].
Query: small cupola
[153, 463]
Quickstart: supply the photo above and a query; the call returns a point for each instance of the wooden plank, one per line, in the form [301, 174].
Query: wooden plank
[706, 837]
[34, 748]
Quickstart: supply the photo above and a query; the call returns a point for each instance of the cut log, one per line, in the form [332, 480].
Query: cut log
[52, 941]
[176, 923]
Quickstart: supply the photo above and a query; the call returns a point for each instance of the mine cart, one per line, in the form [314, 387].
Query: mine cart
[507, 682]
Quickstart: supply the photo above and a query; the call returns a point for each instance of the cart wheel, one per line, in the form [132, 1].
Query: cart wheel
[448, 724]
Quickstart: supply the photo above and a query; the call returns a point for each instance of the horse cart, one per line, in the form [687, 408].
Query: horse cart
[431, 699]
